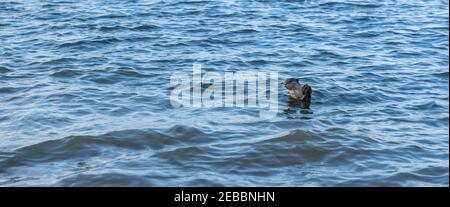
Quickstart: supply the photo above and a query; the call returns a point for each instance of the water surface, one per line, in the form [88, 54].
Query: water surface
[84, 93]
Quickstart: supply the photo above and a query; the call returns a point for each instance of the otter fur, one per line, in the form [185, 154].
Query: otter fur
[297, 90]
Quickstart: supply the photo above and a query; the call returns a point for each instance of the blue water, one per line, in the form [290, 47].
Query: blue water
[84, 93]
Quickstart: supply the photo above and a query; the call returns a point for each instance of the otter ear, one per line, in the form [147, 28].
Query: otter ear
[298, 80]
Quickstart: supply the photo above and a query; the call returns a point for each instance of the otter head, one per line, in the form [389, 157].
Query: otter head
[291, 83]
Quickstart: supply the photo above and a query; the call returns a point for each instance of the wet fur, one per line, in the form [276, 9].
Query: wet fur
[306, 89]
[298, 91]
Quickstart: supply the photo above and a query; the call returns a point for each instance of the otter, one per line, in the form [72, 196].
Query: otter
[298, 91]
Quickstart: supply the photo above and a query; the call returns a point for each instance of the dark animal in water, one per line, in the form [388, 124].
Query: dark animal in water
[297, 90]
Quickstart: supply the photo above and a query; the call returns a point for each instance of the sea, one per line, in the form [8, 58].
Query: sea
[85, 93]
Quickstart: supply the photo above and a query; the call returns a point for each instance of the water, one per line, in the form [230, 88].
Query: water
[84, 93]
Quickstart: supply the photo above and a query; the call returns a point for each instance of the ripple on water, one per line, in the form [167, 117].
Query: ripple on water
[4, 70]
[10, 90]
[90, 43]
[105, 179]
[67, 73]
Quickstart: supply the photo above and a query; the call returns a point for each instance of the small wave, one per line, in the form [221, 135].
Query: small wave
[139, 39]
[359, 98]
[181, 155]
[90, 146]
[257, 62]
[9, 90]
[274, 156]
[111, 28]
[245, 31]
[347, 5]
[441, 74]
[104, 80]
[85, 146]
[104, 179]
[426, 105]
[187, 3]
[4, 70]
[146, 27]
[415, 179]
[368, 34]
[188, 134]
[111, 16]
[295, 136]
[105, 41]
[234, 33]
[130, 73]
[57, 61]
[322, 54]
[65, 74]
[136, 28]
